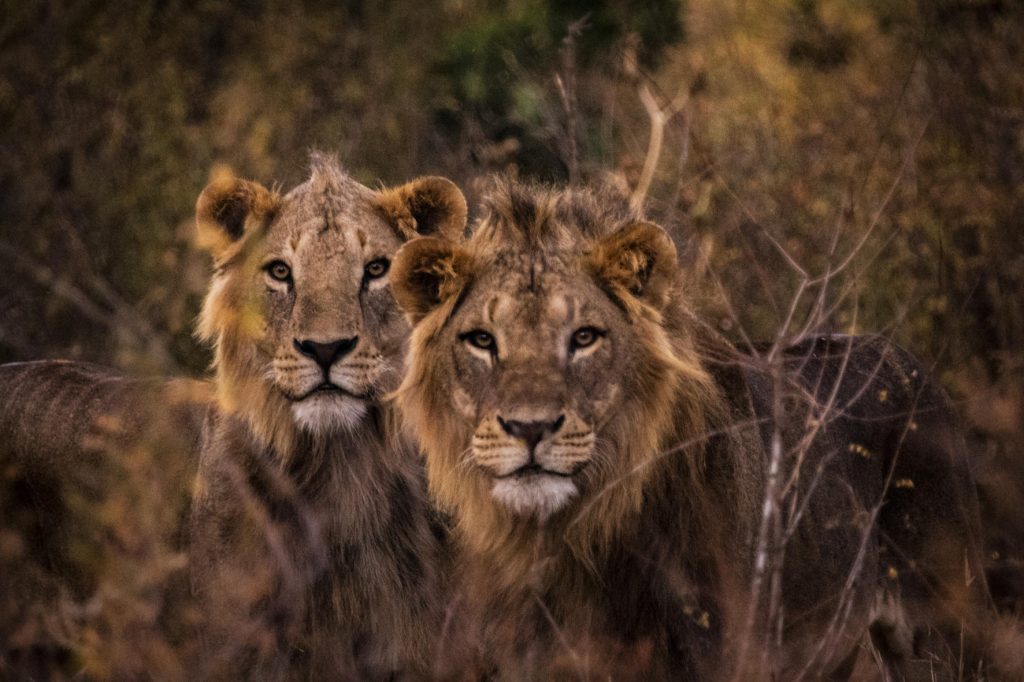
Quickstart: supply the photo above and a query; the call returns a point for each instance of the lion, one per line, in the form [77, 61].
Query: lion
[78, 443]
[633, 496]
[313, 544]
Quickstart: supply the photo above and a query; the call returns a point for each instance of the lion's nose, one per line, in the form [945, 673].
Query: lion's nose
[326, 354]
[531, 433]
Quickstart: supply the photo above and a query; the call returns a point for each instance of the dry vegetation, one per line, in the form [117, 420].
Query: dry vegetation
[825, 167]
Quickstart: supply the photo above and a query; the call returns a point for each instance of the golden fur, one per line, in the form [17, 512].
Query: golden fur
[312, 540]
[605, 457]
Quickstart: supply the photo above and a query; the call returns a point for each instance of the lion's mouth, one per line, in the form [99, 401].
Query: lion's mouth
[532, 470]
[328, 389]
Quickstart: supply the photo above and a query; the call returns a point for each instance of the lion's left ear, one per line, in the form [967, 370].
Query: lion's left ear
[427, 272]
[638, 260]
[425, 207]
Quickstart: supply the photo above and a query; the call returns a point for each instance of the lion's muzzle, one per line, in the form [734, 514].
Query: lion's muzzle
[328, 382]
[533, 458]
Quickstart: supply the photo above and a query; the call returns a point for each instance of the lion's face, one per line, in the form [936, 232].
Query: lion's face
[544, 352]
[300, 301]
[539, 359]
[332, 334]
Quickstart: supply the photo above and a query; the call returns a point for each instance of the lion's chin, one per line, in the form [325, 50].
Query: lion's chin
[325, 414]
[536, 495]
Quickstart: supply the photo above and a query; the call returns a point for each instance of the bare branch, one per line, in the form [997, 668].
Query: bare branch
[565, 83]
[659, 115]
[120, 319]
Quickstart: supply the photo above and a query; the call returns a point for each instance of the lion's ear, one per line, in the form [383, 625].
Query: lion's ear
[425, 273]
[638, 260]
[425, 207]
[227, 208]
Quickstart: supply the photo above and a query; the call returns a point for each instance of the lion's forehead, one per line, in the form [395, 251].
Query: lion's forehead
[529, 313]
[327, 244]
[520, 263]
[533, 324]
[338, 244]
[333, 222]
[532, 302]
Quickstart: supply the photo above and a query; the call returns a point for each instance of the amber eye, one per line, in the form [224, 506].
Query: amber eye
[479, 339]
[585, 336]
[279, 271]
[376, 268]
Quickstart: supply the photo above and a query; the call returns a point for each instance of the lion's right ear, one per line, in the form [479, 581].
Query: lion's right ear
[227, 208]
[426, 272]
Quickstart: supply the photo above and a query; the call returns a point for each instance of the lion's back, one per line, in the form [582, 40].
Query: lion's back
[874, 437]
[55, 409]
[95, 474]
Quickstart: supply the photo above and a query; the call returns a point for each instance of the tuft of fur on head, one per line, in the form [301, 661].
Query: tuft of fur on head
[547, 218]
[669, 415]
[326, 174]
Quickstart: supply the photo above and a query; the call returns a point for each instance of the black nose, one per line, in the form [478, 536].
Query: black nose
[531, 433]
[326, 354]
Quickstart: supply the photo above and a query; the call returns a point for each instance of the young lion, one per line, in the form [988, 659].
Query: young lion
[606, 459]
[313, 546]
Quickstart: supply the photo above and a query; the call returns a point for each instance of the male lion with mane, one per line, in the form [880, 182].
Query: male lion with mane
[606, 457]
[313, 547]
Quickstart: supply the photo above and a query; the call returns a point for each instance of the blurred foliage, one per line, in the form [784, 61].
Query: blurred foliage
[833, 166]
[496, 73]
[811, 125]
[859, 167]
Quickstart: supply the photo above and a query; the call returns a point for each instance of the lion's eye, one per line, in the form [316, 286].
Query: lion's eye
[376, 268]
[480, 339]
[584, 337]
[279, 271]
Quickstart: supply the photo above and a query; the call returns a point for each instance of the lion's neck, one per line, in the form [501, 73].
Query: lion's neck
[538, 599]
[591, 579]
[346, 520]
[342, 475]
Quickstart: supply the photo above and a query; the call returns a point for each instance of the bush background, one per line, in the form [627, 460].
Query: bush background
[880, 138]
